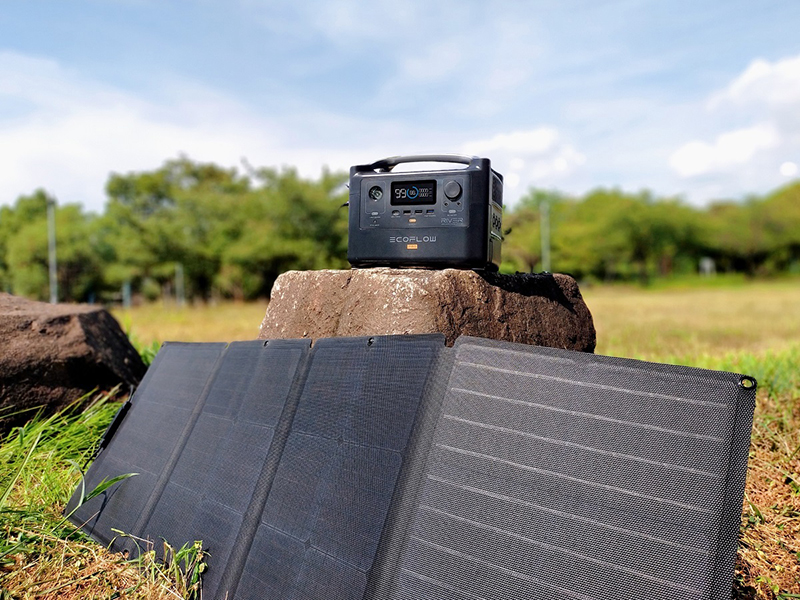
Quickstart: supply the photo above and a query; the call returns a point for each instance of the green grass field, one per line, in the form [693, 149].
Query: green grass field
[751, 328]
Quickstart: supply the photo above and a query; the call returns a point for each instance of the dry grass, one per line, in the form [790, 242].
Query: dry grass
[768, 564]
[694, 322]
[42, 555]
[166, 322]
[76, 570]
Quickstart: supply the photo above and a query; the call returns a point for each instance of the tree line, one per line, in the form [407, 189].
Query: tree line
[221, 233]
[612, 235]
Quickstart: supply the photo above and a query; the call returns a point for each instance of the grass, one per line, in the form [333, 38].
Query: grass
[732, 325]
[687, 323]
[768, 564]
[42, 555]
[165, 322]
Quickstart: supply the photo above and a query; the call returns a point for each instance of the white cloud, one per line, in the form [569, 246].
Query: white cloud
[533, 141]
[456, 60]
[757, 118]
[727, 152]
[435, 62]
[67, 133]
[535, 157]
[344, 22]
[773, 84]
[788, 169]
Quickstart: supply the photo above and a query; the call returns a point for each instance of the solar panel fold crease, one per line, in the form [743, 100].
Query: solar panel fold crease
[392, 467]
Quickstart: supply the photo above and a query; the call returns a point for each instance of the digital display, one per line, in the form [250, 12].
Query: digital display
[414, 192]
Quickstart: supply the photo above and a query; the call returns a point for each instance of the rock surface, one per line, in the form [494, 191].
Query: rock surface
[52, 354]
[542, 309]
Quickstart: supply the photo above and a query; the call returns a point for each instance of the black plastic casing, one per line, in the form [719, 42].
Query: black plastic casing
[460, 232]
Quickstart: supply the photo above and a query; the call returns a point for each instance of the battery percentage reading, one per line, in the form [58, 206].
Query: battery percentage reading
[414, 192]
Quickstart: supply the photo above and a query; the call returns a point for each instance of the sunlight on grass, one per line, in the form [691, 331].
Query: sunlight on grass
[166, 322]
[658, 324]
[42, 555]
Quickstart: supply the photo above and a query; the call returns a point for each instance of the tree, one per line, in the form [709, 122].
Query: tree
[292, 223]
[522, 250]
[606, 234]
[24, 250]
[233, 235]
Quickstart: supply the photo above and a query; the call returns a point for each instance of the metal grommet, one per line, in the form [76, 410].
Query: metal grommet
[747, 383]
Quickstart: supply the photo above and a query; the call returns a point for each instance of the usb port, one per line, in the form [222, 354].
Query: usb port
[406, 212]
[430, 211]
[418, 211]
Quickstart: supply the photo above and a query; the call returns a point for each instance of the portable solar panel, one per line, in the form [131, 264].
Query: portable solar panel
[146, 440]
[199, 429]
[395, 468]
[268, 453]
[552, 474]
[336, 479]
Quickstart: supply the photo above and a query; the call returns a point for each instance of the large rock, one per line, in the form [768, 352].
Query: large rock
[543, 309]
[52, 354]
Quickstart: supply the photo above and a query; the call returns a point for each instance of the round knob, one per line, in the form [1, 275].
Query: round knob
[452, 189]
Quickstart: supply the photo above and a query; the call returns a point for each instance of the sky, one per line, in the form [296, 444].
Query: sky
[698, 99]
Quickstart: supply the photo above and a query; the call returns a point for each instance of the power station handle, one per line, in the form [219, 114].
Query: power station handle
[387, 164]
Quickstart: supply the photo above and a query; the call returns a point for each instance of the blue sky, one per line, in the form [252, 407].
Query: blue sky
[699, 99]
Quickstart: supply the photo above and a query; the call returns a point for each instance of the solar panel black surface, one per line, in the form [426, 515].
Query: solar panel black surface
[268, 453]
[147, 439]
[326, 513]
[393, 467]
[553, 474]
[205, 420]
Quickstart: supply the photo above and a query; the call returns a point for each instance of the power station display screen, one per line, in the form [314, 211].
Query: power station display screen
[414, 192]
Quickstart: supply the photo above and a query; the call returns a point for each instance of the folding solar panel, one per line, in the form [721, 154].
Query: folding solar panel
[552, 474]
[336, 479]
[267, 452]
[393, 467]
[199, 430]
[147, 439]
